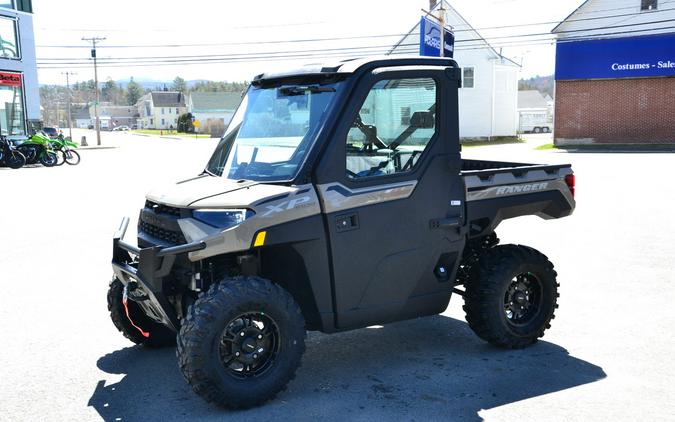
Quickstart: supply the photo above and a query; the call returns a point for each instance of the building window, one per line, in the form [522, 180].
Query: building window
[7, 4]
[649, 4]
[405, 116]
[12, 115]
[162, 122]
[468, 77]
[162, 110]
[177, 110]
[9, 46]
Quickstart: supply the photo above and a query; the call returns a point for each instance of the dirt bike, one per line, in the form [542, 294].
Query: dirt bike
[9, 155]
[64, 149]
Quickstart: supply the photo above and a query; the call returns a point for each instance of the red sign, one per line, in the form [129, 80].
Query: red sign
[10, 79]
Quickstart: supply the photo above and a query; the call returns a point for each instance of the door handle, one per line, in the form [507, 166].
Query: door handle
[346, 222]
[444, 223]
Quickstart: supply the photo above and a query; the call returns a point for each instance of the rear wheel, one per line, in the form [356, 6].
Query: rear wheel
[537, 130]
[512, 296]
[72, 157]
[60, 157]
[159, 335]
[241, 342]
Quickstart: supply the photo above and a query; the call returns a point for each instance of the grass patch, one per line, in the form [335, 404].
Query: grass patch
[161, 132]
[546, 147]
[506, 141]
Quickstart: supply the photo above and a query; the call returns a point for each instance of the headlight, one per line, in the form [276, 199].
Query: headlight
[222, 219]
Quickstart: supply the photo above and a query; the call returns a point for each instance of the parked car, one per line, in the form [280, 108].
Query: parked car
[121, 128]
[52, 132]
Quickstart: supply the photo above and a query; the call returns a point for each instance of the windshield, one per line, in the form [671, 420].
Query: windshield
[271, 132]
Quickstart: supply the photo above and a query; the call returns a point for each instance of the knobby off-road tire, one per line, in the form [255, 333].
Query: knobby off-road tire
[207, 342]
[160, 336]
[511, 298]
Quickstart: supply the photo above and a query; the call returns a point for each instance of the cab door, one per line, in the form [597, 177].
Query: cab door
[392, 197]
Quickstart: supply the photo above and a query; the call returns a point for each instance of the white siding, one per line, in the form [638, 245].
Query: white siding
[483, 111]
[602, 8]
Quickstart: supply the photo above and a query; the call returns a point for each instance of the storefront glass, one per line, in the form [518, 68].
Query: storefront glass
[12, 114]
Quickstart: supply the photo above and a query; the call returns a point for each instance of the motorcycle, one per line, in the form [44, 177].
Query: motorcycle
[9, 155]
[38, 148]
[64, 149]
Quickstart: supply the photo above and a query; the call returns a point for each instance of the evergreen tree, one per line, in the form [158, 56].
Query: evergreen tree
[134, 92]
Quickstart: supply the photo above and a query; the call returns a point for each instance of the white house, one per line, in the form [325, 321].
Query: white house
[211, 107]
[160, 109]
[489, 95]
[19, 89]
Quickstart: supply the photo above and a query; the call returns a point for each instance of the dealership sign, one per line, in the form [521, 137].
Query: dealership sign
[430, 39]
[634, 57]
[10, 79]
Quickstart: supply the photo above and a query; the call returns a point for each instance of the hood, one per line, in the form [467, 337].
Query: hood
[186, 192]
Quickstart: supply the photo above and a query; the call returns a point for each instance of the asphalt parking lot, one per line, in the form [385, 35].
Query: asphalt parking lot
[608, 355]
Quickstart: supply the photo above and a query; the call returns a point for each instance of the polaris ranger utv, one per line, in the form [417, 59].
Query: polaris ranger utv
[337, 199]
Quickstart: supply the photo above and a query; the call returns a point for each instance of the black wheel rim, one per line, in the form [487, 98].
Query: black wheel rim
[522, 300]
[249, 345]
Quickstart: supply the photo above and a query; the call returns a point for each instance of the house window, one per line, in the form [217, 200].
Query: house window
[162, 122]
[7, 4]
[468, 77]
[649, 4]
[12, 115]
[177, 110]
[405, 116]
[152, 122]
[9, 46]
[162, 110]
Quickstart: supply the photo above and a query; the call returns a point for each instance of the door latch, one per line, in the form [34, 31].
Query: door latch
[347, 222]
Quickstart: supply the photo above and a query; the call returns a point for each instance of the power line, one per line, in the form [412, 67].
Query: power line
[382, 35]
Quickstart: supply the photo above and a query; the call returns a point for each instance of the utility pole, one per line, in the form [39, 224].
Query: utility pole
[93, 41]
[441, 19]
[70, 99]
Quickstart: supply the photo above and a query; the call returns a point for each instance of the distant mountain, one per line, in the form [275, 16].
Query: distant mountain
[543, 84]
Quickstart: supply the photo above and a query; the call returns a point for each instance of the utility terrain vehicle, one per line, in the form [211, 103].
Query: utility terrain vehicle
[337, 199]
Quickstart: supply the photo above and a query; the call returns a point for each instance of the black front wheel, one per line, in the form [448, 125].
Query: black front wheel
[49, 159]
[15, 160]
[241, 342]
[511, 297]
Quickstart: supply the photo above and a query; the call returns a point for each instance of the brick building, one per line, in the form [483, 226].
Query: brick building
[615, 73]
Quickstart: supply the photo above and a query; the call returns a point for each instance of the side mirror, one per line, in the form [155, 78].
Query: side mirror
[422, 120]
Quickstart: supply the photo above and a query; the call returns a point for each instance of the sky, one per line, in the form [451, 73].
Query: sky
[253, 33]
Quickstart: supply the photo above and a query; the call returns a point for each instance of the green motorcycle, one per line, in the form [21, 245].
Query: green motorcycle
[65, 150]
[38, 148]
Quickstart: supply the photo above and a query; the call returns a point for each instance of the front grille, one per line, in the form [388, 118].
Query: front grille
[170, 236]
[160, 222]
[162, 209]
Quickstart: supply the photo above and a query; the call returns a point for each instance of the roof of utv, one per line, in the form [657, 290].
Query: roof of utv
[353, 65]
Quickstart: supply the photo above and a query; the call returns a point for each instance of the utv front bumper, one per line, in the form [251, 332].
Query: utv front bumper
[147, 267]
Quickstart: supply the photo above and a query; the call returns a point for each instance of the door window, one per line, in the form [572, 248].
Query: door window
[392, 128]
